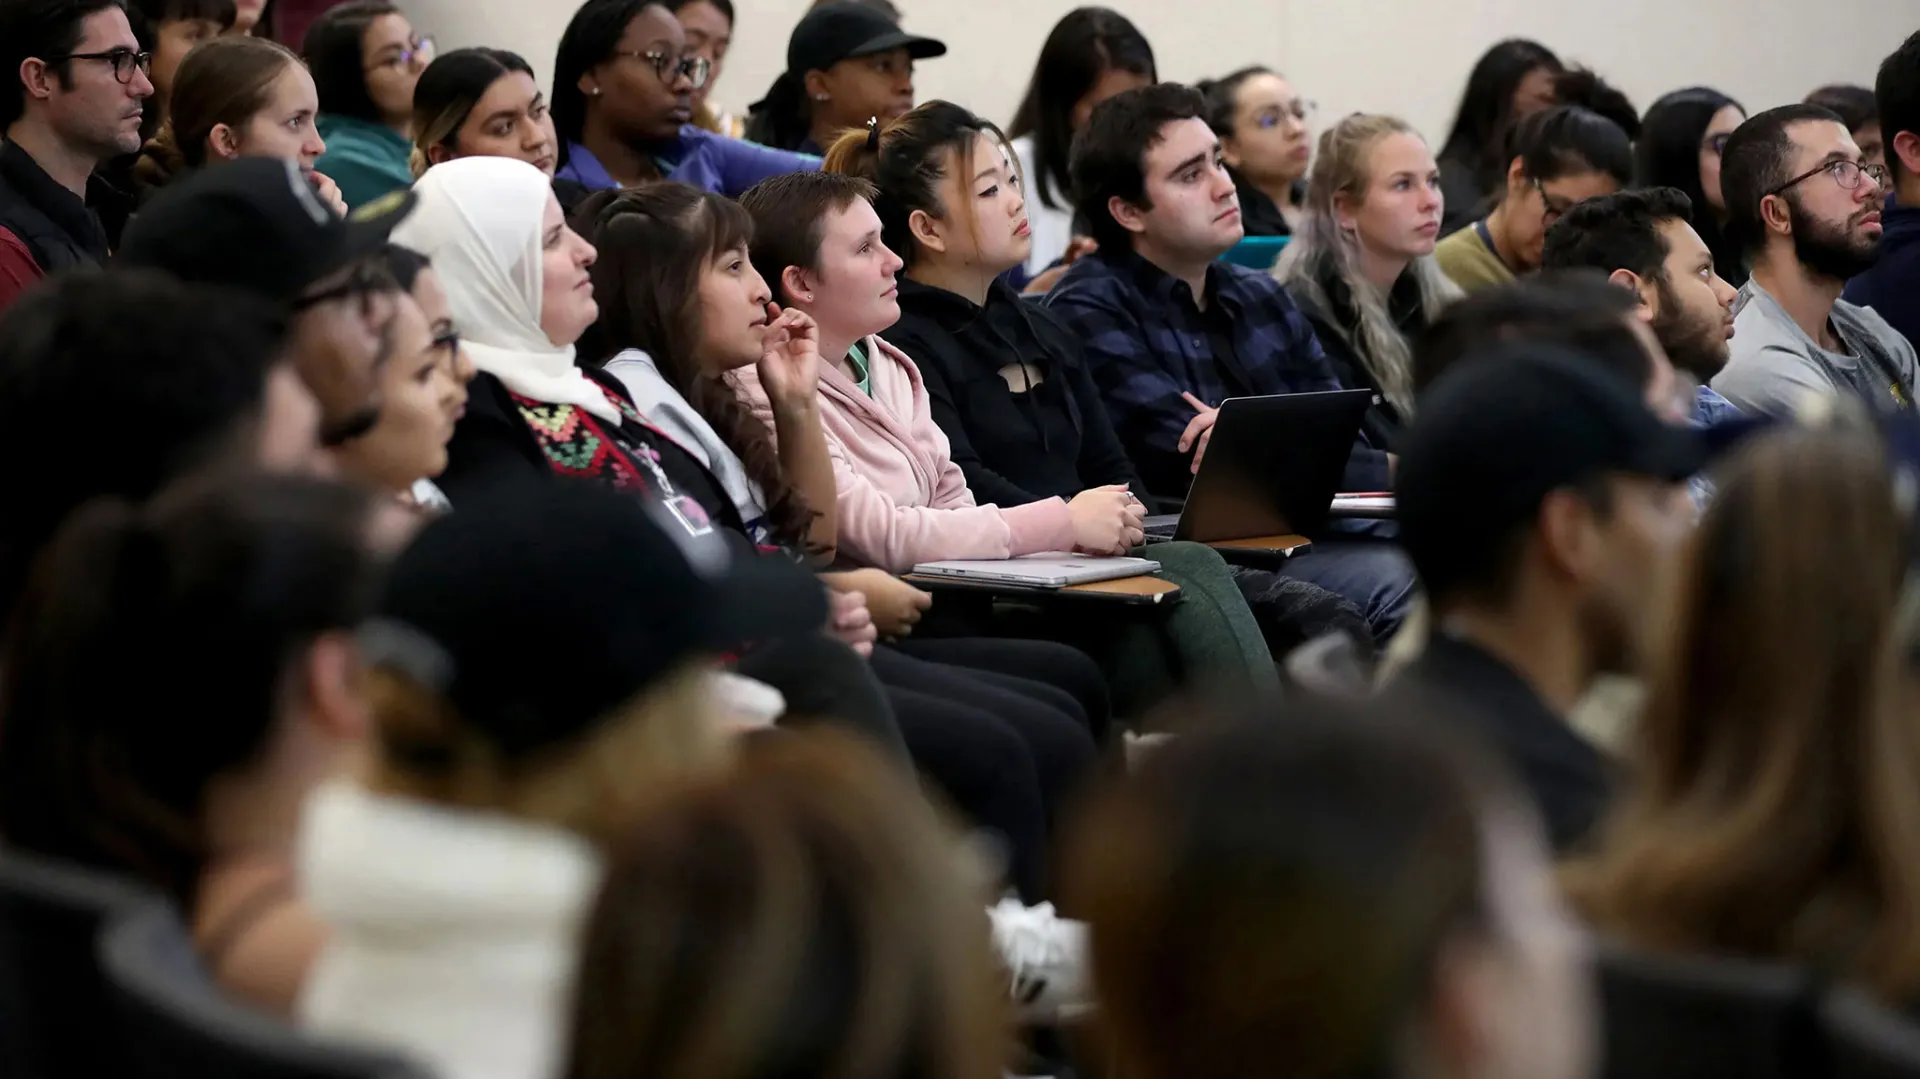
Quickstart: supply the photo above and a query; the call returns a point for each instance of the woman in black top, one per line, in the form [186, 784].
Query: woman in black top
[1263, 132]
[1009, 386]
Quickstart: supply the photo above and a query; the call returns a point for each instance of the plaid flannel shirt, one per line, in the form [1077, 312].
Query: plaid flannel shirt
[1147, 342]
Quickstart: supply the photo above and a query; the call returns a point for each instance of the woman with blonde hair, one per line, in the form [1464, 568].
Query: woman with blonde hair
[806, 916]
[524, 705]
[1776, 762]
[1361, 265]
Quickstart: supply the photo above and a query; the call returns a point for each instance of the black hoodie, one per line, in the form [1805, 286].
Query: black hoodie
[1036, 431]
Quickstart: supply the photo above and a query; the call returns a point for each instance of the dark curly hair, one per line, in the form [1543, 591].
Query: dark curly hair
[654, 244]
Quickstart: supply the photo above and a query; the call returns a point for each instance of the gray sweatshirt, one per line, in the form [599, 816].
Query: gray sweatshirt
[1775, 364]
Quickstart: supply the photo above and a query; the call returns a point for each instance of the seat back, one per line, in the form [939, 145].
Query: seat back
[53, 1000]
[1690, 1017]
[176, 1023]
[1869, 1040]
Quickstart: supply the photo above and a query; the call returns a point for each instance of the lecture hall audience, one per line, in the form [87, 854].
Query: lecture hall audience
[451, 609]
[1172, 332]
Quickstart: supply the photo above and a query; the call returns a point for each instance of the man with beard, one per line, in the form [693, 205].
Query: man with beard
[1643, 241]
[1806, 207]
[255, 225]
[1542, 502]
[73, 83]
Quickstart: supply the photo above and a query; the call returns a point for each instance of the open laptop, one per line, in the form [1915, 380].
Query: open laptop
[1271, 469]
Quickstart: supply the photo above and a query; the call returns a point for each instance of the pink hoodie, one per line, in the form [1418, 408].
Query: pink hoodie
[902, 500]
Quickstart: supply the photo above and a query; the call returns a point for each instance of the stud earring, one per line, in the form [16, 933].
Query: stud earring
[596, 91]
[822, 97]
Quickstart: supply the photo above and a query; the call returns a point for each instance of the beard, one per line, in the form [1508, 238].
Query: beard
[1838, 252]
[1695, 344]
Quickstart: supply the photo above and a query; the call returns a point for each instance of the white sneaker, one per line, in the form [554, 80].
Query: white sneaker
[1046, 958]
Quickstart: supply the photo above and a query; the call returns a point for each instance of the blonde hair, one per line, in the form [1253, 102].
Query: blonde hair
[806, 915]
[1319, 252]
[668, 734]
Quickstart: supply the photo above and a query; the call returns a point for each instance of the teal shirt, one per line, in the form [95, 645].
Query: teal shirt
[367, 160]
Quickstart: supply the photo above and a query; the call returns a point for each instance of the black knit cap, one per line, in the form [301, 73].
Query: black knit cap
[538, 610]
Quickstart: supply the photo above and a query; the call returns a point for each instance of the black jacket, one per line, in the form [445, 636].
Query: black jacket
[1570, 780]
[1259, 214]
[59, 230]
[1049, 438]
[1336, 324]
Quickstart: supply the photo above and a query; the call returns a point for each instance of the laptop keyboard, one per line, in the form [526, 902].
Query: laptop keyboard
[1162, 526]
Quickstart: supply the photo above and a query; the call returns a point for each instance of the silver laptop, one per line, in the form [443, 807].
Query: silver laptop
[1039, 570]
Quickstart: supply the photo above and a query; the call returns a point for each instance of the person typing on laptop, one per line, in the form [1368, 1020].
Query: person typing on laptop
[1005, 382]
[1170, 332]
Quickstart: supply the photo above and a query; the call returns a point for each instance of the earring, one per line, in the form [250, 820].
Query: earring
[822, 97]
[596, 91]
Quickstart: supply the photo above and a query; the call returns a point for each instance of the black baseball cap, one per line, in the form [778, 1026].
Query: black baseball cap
[1492, 439]
[847, 29]
[539, 609]
[256, 224]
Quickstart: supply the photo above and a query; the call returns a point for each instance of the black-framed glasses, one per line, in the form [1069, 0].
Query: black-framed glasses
[124, 61]
[1551, 211]
[1845, 173]
[697, 69]
[367, 280]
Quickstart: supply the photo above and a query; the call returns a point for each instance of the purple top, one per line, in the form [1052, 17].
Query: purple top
[699, 158]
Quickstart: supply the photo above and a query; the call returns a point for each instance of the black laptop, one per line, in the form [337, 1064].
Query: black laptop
[1272, 467]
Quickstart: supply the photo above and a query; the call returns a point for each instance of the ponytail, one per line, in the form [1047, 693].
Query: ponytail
[906, 160]
[783, 119]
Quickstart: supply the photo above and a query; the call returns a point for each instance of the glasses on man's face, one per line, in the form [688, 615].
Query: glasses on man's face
[1300, 110]
[124, 61]
[669, 68]
[418, 53]
[1552, 209]
[366, 282]
[1847, 174]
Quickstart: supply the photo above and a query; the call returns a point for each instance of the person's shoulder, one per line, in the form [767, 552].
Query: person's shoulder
[1091, 279]
[1874, 324]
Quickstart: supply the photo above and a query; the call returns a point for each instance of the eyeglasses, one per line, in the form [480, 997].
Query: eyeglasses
[368, 279]
[1552, 211]
[1717, 144]
[419, 52]
[448, 341]
[697, 69]
[1301, 110]
[1845, 173]
[124, 61]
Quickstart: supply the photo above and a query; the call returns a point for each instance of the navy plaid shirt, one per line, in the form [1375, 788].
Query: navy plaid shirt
[1147, 342]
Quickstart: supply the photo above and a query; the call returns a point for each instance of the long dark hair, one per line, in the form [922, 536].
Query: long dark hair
[1667, 154]
[655, 243]
[905, 162]
[150, 659]
[332, 50]
[1486, 107]
[449, 89]
[590, 38]
[1084, 45]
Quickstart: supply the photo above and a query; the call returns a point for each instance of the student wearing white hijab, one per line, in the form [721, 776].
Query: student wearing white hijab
[519, 295]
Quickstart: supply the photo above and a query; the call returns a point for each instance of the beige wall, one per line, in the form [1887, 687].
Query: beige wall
[1405, 56]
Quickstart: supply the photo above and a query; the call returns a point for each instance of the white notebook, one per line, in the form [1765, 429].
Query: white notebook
[1048, 570]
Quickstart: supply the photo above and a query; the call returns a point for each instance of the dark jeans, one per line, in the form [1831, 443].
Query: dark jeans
[1373, 575]
[1006, 750]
